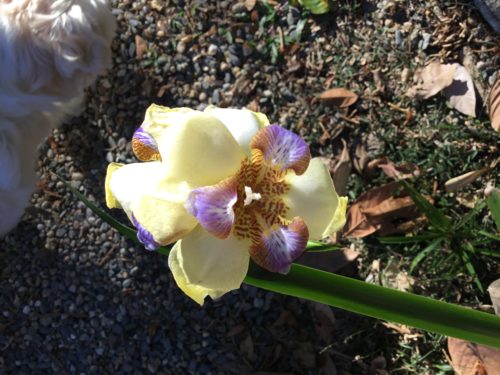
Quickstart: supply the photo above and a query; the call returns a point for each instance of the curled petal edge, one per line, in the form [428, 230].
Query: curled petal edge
[111, 201]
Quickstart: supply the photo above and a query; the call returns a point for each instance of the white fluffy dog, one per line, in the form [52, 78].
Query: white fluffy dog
[50, 50]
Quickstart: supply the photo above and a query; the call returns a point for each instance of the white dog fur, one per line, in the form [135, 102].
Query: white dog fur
[50, 50]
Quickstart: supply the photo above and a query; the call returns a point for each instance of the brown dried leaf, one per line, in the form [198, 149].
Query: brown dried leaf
[400, 171]
[342, 170]
[338, 97]
[494, 104]
[360, 158]
[379, 210]
[460, 93]
[457, 183]
[431, 79]
[390, 206]
[472, 359]
[141, 46]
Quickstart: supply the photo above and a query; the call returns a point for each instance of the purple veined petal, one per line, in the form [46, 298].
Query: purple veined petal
[213, 206]
[144, 146]
[280, 246]
[144, 236]
[282, 148]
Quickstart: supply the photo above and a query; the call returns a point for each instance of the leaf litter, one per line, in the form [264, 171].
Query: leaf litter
[494, 105]
[452, 80]
[468, 358]
[431, 79]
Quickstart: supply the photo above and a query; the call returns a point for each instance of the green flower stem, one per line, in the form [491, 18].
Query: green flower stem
[381, 303]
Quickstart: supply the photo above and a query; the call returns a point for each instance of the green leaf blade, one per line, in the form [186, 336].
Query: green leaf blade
[435, 216]
[357, 296]
[421, 255]
[316, 6]
[381, 303]
[493, 202]
[408, 239]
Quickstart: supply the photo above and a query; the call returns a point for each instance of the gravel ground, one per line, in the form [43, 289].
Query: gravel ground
[78, 299]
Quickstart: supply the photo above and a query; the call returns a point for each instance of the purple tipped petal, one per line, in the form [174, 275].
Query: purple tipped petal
[281, 246]
[213, 206]
[144, 146]
[282, 148]
[144, 236]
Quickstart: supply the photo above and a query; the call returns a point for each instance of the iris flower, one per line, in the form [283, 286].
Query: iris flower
[225, 186]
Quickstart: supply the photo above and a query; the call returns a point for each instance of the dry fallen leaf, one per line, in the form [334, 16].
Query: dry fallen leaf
[360, 158]
[431, 79]
[457, 183]
[141, 46]
[379, 209]
[342, 170]
[339, 97]
[472, 359]
[460, 93]
[494, 104]
[397, 172]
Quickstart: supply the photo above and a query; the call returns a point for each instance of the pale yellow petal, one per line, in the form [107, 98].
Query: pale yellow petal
[206, 265]
[111, 202]
[312, 197]
[199, 150]
[242, 123]
[262, 119]
[125, 184]
[195, 292]
[339, 218]
[161, 211]
[158, 118]
[156, 202]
